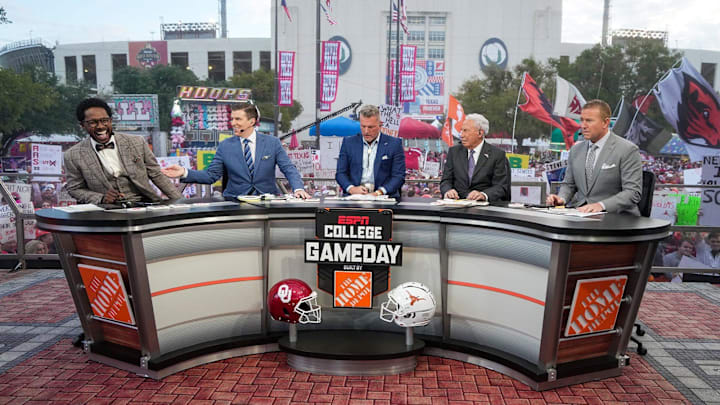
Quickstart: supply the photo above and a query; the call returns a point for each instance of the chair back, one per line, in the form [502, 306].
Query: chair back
[648, 187]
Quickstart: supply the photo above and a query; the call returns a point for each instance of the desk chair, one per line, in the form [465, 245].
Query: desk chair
[645, 206]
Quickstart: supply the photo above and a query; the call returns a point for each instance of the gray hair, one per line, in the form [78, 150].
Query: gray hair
[369, 111]
[480, 121]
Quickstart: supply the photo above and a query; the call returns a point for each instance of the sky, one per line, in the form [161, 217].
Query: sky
[692, 24]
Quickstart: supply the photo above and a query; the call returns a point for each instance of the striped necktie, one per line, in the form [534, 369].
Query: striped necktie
[590, 165]
[248, 157]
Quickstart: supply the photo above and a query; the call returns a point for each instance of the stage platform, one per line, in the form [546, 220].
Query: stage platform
[38, 363]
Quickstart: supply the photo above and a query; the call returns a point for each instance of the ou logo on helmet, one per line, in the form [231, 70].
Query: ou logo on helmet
[493, 53]
[284, 293]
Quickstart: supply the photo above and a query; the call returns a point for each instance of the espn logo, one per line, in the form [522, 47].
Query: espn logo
[353, 220]
[595, 306]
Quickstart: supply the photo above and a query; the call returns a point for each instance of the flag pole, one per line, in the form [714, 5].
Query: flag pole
[512, 142]
[388, 79]
[276, 108]
[637, 109]
[397, 58]
[318, 84]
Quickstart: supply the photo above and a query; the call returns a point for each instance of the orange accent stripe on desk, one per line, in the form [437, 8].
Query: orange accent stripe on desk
[498, 290]
[206, 283]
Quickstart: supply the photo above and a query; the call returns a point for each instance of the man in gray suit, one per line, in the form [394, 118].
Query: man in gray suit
[604, 172]
[109, 167]
[476, 170]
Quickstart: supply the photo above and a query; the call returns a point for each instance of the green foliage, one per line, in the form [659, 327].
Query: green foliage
[33, 101]
[606, 73]
[3, 16]
[161, 80]
[262, 83]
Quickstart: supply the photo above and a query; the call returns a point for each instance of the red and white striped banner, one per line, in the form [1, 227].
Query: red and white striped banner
[285, 77]
[407, 73]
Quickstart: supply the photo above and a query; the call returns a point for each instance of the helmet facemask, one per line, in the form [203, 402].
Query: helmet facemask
[308, 309]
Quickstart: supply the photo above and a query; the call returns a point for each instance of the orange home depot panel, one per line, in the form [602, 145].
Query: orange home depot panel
[106, 293]
[595, 305]
[353, 289]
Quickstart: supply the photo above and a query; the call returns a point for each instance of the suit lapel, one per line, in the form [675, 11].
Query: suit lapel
[93, 161]
[260, 147]
[125, 151]
[482, 158]
[606, 151]
[379, 153]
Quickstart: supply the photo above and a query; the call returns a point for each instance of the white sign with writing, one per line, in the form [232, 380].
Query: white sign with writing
[183, 161]
[46, 159]
[303, 161]
[710, 198]
[390, 117]
[664, 207]
[432, 169]
[329, 151]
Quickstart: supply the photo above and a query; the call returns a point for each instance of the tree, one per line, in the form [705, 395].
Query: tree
[3, 16]
[262, 82]
[161, 80]
[33, 101]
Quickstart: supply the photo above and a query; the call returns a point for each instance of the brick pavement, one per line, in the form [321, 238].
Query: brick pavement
[43, 367]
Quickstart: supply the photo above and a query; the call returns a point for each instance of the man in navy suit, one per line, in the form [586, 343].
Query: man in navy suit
[371, 162]
[249, 159]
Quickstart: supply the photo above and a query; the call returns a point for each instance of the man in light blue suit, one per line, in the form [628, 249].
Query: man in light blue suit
[371, 162]
[249, 159]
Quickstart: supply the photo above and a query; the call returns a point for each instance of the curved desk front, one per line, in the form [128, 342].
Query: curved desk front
[196, 277]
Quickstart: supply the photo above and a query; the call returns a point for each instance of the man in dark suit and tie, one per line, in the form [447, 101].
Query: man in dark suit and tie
[371, 162]
[604, 172]
[109, 167]
[248, 158]
[476, 170]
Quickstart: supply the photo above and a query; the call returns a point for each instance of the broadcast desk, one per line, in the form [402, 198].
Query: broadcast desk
[196, 278]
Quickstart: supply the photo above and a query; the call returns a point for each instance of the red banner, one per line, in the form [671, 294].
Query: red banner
[329, 87]
[148, 53]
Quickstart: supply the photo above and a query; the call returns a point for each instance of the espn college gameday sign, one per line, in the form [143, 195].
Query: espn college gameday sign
[595, 305]
[354, 252]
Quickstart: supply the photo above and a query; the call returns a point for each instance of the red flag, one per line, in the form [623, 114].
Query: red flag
[446, 133]
[285, 7]
[539, 106]
[294, 144]
[643, 104]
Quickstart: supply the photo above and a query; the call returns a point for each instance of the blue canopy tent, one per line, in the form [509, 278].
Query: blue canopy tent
[339, 126]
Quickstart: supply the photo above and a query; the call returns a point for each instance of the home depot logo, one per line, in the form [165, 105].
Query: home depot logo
[106, 293]
[353, 289]
[595, 305]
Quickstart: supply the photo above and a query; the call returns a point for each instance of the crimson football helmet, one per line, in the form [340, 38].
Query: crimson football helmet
[409, 304]
[293, 301]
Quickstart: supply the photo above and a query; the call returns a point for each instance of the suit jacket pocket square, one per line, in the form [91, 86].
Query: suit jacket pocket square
[266, 157]
[385, 157]
[607, 166]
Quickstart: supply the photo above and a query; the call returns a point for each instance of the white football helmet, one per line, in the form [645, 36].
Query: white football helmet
[409, 304]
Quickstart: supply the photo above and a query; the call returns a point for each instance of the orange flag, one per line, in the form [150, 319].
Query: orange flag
[457, 115]
[446, 134]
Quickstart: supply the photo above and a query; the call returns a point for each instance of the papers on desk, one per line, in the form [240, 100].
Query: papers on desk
[362, 197]
[459, 203]
[294, 200]
[80, 208]
[571, 212]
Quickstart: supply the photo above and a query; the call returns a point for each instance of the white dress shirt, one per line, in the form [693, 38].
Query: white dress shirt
[110, 158]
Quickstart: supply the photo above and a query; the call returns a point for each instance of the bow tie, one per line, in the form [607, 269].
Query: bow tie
[109, 145]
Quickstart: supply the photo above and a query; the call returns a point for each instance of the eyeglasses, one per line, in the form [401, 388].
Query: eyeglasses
[95, 123]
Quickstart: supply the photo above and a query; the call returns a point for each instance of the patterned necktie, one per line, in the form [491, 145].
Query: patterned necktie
[590, 164]
[109, 145]
[248, 157]
[471, 164]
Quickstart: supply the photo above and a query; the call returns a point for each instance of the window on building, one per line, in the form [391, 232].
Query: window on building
[437, 20]
[420, 53]
[265, 60]
[415, 20]
[707, 70]
[436, 53]
[242, 62]
[216, 66]
[180, 59]
[393, 51]
[437, 36]
[71, 69]
[393, 35]
[416, 36]
[89, 69]
[119, 60]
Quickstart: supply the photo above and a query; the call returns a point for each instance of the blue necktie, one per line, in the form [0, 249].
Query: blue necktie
[248, 157]
[471, 164]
